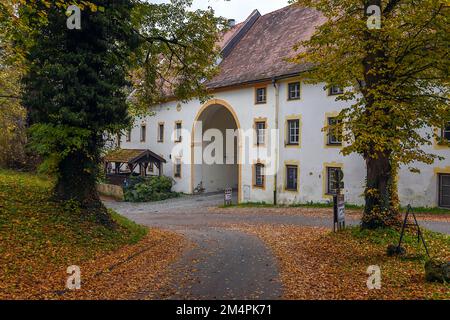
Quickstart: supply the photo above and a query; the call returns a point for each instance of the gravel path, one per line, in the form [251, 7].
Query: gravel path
[224, 264]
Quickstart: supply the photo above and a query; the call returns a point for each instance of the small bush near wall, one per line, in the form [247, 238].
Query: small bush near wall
[140, 189]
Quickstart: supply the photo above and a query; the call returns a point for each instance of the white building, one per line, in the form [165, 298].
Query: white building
[257, 88]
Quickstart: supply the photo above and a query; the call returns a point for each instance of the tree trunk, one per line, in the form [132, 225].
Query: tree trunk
[77, 182]
[381, 208]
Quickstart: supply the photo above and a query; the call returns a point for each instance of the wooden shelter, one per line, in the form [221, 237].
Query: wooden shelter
[127, 160]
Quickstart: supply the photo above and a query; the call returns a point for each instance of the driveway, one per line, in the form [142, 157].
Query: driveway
[224, 263]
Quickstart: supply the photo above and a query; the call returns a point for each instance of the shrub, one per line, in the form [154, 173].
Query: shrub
[140, 189]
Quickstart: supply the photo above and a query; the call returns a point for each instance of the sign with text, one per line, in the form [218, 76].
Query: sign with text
[228, 196]
[339, 212]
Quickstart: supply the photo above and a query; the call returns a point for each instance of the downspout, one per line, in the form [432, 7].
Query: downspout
[277, 108]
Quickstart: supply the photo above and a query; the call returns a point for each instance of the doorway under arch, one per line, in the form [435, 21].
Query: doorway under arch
[218, 115]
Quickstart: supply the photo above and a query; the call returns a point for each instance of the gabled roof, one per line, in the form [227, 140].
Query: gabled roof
[132, 156]
[261, 52]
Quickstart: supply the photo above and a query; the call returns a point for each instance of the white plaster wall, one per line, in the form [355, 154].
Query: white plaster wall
[313, 153]
[417, 189]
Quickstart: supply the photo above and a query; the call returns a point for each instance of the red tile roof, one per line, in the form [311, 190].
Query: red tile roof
[261, 54]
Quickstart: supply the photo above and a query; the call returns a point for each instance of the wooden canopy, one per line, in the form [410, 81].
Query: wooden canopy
[131, 158]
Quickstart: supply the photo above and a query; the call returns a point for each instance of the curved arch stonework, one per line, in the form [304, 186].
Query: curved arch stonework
[203, 108]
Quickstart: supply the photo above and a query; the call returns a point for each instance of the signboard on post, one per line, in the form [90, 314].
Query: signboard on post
[339, 212]
[339, 203]
[228, 196]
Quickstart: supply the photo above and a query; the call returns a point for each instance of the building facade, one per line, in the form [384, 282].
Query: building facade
[261, 132]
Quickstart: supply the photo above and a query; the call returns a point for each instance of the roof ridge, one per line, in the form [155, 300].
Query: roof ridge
[237, 37]
[284, 8]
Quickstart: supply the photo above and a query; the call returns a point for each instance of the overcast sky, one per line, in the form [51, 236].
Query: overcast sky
[236, 9]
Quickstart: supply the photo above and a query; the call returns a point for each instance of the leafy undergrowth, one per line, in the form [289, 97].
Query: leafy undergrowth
[40, 238]
[318, 264]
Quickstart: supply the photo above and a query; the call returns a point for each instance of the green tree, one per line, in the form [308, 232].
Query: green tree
[12, 114]
[78, 81]
[396, 79]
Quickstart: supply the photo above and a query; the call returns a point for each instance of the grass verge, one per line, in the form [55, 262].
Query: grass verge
[430, 210]
[40, 237]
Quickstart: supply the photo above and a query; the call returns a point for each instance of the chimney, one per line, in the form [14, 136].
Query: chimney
[231, 23]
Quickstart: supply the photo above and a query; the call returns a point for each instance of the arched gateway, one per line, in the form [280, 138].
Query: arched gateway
[216, 116]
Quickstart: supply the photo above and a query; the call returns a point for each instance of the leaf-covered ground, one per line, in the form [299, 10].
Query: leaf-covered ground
[40, 238]
[317, 264]
[326, 212]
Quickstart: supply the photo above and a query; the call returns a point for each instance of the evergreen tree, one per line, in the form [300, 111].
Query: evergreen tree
[78, 81]
[74, 94]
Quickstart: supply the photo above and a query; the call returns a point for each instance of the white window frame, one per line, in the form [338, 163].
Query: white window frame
[178, 131]
[294, 91]
[295, 182]
[440, 191]
[261, 95]
[160, 132]
[143, 132]
[446, 131]
[331, 180]
[335, 91]
[177, 168]
[260, 132]
[259, 175]
[333, 138]
[293, 131]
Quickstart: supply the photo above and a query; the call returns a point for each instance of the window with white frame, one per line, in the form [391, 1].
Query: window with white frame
[143, 132]
[294, 91]
[161, 132]
[444, 190]
[334, 131]
[177, 168]
[260, 127]
[178, 132]
[293, 128]
[335, 90]
[261, 95]
[332, 173]
[259, 175]
[446, 132]
[291, 177]
[128, 135]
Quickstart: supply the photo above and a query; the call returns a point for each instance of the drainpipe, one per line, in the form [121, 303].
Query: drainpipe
[277, 108]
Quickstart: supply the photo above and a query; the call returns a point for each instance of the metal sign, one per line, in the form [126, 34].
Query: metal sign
[228, 196]
[339, 202]
[339, 212]
[340, 208]
[246, 193]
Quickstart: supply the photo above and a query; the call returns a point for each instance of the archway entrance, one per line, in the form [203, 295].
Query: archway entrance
[215, 153]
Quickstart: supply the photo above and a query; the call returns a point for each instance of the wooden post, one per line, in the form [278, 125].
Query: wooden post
[145, 168]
